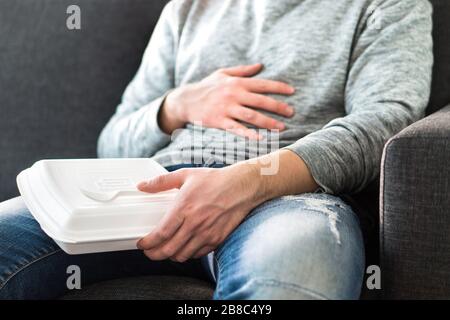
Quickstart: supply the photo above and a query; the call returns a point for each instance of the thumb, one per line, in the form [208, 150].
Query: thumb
[163, 182]
[243, 71]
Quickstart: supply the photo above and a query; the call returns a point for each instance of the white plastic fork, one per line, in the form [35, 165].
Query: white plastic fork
[110, 195]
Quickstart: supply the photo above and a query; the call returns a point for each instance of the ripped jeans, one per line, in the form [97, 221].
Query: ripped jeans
[306, 246]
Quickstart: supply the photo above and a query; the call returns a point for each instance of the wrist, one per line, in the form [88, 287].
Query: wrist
[169, 116]
[174, 105]
[255, 185]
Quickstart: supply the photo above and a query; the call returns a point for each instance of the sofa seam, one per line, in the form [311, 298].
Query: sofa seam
[400, 138]
[382, 203]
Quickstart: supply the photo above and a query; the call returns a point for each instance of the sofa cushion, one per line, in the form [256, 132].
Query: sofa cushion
[145, 288]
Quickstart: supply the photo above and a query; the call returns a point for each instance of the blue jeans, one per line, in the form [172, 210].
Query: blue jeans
[306, 246]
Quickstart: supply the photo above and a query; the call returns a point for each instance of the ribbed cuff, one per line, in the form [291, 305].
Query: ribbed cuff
[154, 132]
[319, 165]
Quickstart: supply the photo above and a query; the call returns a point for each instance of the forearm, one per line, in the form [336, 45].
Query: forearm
[291, 177]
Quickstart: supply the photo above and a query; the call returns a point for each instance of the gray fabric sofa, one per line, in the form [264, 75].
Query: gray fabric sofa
[58, 87]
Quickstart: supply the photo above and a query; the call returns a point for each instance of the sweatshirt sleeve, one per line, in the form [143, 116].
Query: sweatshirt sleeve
[133, 130]
[387, 89]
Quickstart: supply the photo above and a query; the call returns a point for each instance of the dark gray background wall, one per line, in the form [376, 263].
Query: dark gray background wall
[440, 95]
[59, 87]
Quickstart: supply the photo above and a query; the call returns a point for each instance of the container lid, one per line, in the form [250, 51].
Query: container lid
[89, 200]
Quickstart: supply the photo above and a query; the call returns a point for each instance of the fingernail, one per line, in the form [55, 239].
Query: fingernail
[290, 111]
[142, 185]
[139, 244]
[292, 90]
[280, 126]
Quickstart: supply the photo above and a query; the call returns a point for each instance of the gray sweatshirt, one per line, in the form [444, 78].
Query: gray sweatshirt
[361, 69]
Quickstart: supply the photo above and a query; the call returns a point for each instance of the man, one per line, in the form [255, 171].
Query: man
[330, 81]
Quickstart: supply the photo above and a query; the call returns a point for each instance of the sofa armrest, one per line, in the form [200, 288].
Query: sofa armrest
[415, 211]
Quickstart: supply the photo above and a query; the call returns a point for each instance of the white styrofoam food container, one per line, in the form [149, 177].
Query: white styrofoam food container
[59, 194]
